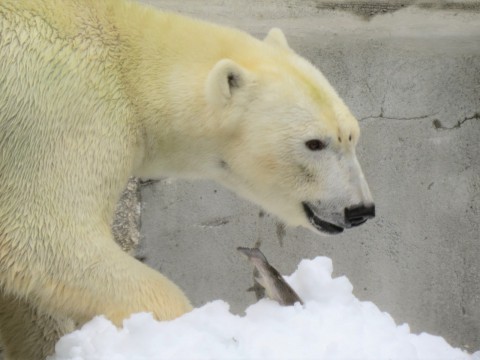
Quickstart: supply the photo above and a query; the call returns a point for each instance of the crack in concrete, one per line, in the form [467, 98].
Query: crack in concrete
[215, 222]
[381, 116]
[438, 125]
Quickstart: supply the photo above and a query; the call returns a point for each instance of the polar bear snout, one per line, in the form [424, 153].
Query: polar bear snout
[356, 215]
[328, 223]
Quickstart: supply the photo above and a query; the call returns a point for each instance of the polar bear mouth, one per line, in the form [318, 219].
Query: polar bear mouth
[319, 224]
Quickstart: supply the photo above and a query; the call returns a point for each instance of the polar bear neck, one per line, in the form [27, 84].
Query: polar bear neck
[169, 97]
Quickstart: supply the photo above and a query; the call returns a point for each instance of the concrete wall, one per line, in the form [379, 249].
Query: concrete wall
[411, 74]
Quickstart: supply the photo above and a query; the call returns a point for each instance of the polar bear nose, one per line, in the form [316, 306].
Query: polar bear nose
[357, 214]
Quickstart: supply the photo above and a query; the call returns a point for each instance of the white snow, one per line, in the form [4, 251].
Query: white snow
[332, 324]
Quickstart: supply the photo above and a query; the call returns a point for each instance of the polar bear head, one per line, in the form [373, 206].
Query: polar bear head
[292, 142]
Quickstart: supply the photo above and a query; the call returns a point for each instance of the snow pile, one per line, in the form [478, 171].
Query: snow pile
[332, 324]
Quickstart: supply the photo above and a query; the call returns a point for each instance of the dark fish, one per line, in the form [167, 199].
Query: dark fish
[276, 287]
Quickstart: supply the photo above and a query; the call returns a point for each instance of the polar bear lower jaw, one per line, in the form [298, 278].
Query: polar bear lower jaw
[319, 224]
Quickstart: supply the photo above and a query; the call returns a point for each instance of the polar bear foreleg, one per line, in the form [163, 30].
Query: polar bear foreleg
[95, 277]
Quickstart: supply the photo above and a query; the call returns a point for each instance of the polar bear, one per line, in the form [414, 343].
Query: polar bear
[92, 92]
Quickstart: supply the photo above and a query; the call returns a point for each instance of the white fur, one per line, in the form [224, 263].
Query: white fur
[277, 38]
[92, 92]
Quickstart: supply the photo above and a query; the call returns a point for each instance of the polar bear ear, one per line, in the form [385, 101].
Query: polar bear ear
[276, 37]
[226, 78]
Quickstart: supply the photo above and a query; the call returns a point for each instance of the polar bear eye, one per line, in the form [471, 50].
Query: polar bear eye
[315, 145]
